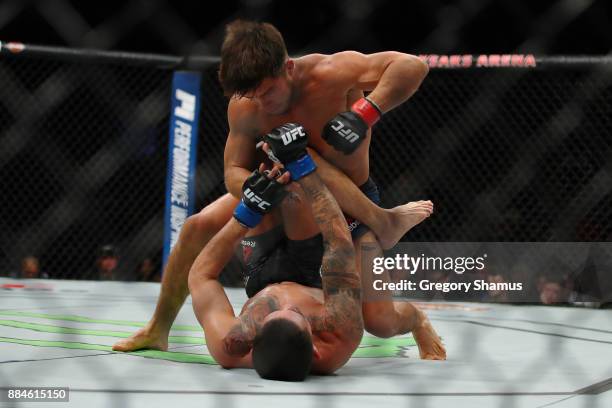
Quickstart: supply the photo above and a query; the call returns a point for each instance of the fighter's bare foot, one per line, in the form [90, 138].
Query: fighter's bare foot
[401, 219]
[428, 341]
[145, 338]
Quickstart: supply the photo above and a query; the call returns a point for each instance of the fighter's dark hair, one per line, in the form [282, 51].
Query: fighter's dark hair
[251, 52]
[282, 351]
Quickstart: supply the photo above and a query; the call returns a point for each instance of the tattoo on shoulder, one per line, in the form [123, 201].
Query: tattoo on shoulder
[239, 339]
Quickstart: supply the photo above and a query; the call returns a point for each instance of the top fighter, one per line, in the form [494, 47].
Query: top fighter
[268, 89]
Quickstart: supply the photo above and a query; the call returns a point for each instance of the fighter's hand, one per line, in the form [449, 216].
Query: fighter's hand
[261, 192]
[287, 145]
[348, 129]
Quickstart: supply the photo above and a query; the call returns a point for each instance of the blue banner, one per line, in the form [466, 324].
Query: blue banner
[182, 152]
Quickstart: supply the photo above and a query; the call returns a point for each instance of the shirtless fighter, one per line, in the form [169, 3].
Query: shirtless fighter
[286, 330]
[269, 89]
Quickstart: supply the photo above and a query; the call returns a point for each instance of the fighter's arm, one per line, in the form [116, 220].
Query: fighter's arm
[210, 303]
[341, 281]
[393, 77]
[262, 192]
[240, 147]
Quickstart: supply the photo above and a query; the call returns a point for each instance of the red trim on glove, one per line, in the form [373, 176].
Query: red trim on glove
[366, 111]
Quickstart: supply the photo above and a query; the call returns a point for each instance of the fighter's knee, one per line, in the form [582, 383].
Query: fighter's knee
[198, 225]
[378, 322]
[370, 239]
[379, 328]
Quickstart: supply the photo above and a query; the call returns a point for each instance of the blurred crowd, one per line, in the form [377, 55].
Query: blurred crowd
[106, 266]
[581, 288]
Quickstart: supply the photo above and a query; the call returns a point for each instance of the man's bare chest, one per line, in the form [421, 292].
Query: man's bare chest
[313, 113]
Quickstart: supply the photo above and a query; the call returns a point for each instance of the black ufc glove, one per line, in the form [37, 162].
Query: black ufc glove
[259, 195]
[288, 145]
[348, 130]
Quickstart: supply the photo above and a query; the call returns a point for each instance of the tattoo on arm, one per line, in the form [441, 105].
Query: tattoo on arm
[239, 340]
[341, 281]
[342, 291]
[327, 213]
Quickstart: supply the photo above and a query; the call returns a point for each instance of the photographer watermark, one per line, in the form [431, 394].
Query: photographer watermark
[533, 272]
[427, 263]
[459, 265]
[35, 394]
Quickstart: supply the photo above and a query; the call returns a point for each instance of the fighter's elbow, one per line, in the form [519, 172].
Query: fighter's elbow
[198, 279]
[416, 67]
[346, 249]
[339, 255]
[342, 243]
[231, 184]
[227, 177]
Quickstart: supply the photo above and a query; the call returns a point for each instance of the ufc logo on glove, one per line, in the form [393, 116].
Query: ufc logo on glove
[348, 134]
[252, 197]
[292, 135]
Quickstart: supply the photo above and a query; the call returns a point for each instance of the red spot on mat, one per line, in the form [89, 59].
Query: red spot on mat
[12, 286]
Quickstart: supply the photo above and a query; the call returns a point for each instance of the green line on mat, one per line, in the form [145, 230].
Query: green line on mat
[382, 351]
[370, 347]
[156, 354]
[395, 341]
[375, 347]
[89, 332]
[83, 319]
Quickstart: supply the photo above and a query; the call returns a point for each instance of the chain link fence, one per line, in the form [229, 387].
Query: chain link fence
[82, 164]
[508, 155]
[505, 155]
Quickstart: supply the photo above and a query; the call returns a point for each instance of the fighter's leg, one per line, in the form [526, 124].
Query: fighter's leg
[196, 232]
[298, 221]
[382, 317]
[385, 318]
[389, 225]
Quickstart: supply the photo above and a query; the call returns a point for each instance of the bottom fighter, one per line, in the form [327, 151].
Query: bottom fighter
[288, 329]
